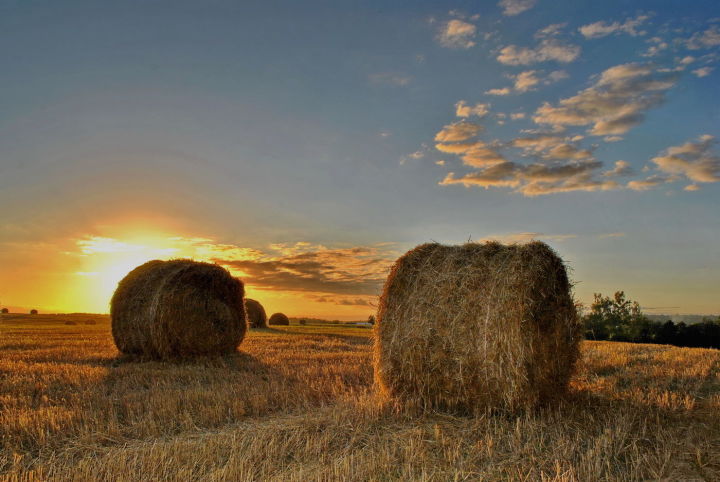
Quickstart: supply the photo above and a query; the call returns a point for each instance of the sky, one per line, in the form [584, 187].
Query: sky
[306, 145]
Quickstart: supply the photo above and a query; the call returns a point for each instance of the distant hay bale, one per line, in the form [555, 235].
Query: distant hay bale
[178, 308]
[303, 321]
[70, 322]
[5, 311]
[279, 319]
[256, 316]
[476, 327]
[33, 312]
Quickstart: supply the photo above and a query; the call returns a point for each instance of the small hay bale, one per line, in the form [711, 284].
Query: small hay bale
[476, 327]
[303, 321]
[5, 311]
[279, 319]
[256, 316]
[179, 308]
[33, 312]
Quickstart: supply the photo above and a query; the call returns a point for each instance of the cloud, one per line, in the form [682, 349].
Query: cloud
[658, 47]
[390, 78]
[548, 49]
[462, 109]
[551, 147]
[536, 179]
[503, 91]
[603, 29]
[527, 80]
[357, 270]
[457, 34]
[473, 154]
[704, 40]
[611, 235]
[614, 104]
[622, 168]
[550, 31]
[693, 160]
[691, 187]
[702, 71]
[647, 183]
[515, 7]
[459, 131]
[517, 115]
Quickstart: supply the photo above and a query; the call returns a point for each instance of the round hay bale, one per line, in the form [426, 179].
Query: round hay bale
[256, 316]
[5, 311]
[179, 308]
[476, 327]
[279, 319]
[33, 312]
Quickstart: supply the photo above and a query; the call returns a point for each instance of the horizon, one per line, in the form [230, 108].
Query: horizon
[306, 147]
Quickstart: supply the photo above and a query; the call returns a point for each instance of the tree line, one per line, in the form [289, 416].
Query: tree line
[620, 319]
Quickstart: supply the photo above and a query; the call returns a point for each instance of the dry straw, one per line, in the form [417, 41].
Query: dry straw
[476, 327]
[178, 308]
[279, 319]
[256, 316]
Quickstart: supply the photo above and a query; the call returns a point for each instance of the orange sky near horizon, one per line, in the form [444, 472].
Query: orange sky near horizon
[80, 274]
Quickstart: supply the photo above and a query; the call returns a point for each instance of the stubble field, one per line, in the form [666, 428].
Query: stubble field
[296, 403]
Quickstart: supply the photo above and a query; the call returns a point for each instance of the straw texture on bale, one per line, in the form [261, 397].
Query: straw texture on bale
[476, 327]
[178, 308]
[256, 316]
[279, 319]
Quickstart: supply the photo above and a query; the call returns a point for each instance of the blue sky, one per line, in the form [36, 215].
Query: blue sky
[372, 126]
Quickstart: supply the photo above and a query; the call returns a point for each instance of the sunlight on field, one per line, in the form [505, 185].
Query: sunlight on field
[295, 403]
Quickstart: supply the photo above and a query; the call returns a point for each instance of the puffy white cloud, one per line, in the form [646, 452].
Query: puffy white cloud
[548, 49]
[514, 7]
[702, 71]
[503, 91]
[462, 109]
[602, 29]
[704, 40]
[525, 81]
[693, 160]
[614, 104]
[550, 31]
[459, 131]
[457, 34]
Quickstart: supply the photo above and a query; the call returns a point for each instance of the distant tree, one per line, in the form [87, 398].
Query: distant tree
[666, 333]
[371, 319]
[616, 318]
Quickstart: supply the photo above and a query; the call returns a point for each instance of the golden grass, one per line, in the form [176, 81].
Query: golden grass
[296, 404]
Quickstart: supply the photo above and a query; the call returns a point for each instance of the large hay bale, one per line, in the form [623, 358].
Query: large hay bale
[178, 308]
[256, 316]
[33, 312]
[5, 311]
[476, 327]
[279, 319]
